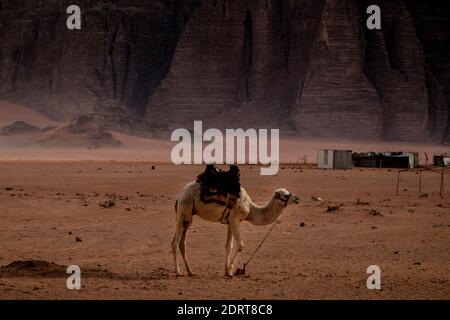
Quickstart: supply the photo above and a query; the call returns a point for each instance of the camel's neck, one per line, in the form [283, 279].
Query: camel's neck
[267, 214]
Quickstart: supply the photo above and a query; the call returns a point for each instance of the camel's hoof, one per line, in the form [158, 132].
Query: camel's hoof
[190, 274]
[229, 274]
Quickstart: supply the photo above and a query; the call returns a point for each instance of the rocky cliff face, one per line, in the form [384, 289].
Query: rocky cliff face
[122, 52]
[309, 67]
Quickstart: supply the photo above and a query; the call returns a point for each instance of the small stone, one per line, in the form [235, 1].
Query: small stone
[107, 204]
[375, 212]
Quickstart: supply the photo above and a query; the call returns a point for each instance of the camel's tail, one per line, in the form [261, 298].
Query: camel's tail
[176, 205]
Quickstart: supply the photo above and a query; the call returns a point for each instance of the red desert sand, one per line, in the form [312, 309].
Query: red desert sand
[54, 215]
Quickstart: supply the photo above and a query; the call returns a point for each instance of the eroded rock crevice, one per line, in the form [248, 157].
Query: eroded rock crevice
[309, 67]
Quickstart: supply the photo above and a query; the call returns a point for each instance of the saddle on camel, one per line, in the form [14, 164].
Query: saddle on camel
[222, 187]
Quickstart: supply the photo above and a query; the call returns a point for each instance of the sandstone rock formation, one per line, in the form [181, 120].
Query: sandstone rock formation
[84, 131]
[309, 67]
[19, 127]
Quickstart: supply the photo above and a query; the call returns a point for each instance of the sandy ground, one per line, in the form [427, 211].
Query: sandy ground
[125, 252]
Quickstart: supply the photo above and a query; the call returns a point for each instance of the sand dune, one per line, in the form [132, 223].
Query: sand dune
[10, 112]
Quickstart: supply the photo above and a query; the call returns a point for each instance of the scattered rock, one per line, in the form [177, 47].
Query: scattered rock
[417, 263]
[78, 239]
[375, 212]
[107, 204]
[424, 195]
[316, 198]
[153, 168]
[441, 226]
[363, 203]
[334, 207]
[302, 224]
[9, 189]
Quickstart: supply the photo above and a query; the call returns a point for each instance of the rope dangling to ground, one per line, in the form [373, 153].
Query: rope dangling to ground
[262, 241]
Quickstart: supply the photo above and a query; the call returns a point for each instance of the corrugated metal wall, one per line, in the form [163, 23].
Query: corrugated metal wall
[334, 159]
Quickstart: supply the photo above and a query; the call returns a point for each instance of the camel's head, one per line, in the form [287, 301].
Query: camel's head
[286, 196]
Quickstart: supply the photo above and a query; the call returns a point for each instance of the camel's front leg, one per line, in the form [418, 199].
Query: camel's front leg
[175, 244]
[228, 248]
[235, 231]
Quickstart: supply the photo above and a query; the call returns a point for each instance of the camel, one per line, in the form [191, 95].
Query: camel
[188, 204]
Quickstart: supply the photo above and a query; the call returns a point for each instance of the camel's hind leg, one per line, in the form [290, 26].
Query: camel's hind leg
[228, 248]
[184, 219]
[186, 226]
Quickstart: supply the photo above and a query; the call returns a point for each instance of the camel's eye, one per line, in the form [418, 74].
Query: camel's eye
[283, 196]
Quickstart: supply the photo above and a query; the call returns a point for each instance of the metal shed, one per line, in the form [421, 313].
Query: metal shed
[334, 159]
[442, 160]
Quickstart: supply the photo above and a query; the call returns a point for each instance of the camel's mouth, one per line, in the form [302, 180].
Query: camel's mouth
[296, 200]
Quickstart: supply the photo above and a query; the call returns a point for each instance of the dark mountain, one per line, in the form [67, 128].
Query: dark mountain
[310, 67]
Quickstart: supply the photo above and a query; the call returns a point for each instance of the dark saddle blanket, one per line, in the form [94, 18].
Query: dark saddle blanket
[219, 186]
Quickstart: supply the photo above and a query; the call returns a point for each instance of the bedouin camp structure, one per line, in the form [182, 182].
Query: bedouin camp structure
[334, 159]
[442, 160]
[386, 160]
